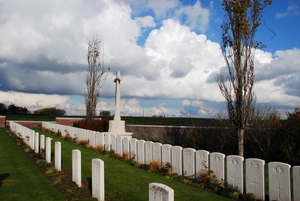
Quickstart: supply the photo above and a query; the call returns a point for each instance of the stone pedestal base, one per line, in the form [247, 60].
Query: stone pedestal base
[118, 128]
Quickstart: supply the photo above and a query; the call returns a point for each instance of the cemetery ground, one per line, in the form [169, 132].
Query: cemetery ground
[122, 180]
[23, 176]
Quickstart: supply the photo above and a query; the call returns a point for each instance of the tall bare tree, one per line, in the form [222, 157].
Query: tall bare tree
[241, 21]
[96, 76]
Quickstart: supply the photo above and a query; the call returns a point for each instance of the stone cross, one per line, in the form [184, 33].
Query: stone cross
[117, 96]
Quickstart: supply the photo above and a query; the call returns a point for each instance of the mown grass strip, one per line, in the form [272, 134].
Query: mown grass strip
[123, 181]
[19, 178]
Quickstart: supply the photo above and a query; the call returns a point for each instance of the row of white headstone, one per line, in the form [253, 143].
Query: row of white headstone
[157, 191]
[189, 162]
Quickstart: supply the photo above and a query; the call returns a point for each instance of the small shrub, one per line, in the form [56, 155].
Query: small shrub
[27, 149]
[227, 190]
[132, 156]
[166, 169]
[41, 162]
[125, 156]
[154, 166]
[50, 170]
[100, 148]
[68, 137]
[58, 133]
[57, 180]
[249, 197]
[19, 144]
[134, 163]
[206, 177]
[42, 153]
[82, 142]
[111, 152]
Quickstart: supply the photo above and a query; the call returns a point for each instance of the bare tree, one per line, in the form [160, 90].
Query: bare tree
[96, 76]
[241, 21]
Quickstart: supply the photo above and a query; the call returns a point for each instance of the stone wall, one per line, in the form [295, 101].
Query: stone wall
[67, 121]
[2, 121]
[28, 124]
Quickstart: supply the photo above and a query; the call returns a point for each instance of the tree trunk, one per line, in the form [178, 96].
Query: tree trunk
[241, 132]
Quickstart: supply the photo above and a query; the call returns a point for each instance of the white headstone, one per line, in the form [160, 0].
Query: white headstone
[107, 141]
[133, 148]
[113, 141]
[57, 159]
[255, 177]
[177, 160]
[148, 151]
[141, 151]
[166, 156]
[76, 166]
[99, 139]
[235, 169]
[98, 179]
[202, 162]
[217, 164]
[126, 149]
[160, 192]
[279, 181]
[296, 183]
[42, 142]
[48, 149]
[92, 138]
[31, 134]
[119, 144]
[156, 151]
[189, 162]
[36, 142]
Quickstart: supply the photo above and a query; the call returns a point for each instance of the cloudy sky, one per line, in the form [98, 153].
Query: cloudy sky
[168, 52]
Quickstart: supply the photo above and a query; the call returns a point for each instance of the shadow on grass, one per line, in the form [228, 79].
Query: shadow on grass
[3, 177]
[89, 179]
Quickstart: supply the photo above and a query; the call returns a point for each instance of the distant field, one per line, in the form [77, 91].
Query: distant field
[167, 121]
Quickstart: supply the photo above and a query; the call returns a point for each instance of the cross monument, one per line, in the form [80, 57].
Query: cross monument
[117, 126]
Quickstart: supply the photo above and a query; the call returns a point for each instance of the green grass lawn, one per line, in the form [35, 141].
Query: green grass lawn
[19, 178]
[125, 182]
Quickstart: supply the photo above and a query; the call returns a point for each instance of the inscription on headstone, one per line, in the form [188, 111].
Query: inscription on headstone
[235, 170]
[202, 163]
[76, 166]
[217, 164]
[255, 177]
[160, 192]
[177, 160]
[189, 162]
[279, 181]
[141, 151]
[98, 179]
[148, 151]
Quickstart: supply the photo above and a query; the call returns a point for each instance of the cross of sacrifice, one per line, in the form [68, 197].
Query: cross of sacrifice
[117, 96]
